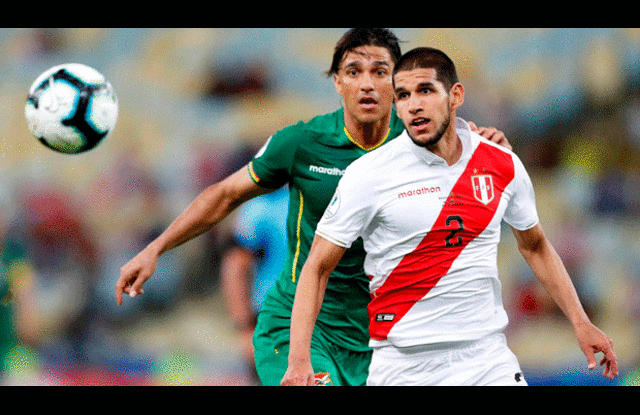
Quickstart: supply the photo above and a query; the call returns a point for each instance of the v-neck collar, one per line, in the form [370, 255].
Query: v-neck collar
[462, 130]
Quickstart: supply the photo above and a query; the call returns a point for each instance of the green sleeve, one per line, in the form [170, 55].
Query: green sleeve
[271, 166]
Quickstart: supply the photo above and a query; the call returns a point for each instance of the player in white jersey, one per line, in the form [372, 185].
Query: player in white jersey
[433, 228]
[429, 208]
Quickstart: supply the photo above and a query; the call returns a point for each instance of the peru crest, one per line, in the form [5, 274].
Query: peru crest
[483, 188]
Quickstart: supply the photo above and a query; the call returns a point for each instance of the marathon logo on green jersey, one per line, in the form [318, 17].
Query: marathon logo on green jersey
[331, 171]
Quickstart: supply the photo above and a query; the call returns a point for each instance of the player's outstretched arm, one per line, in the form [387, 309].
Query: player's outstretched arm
[323, 258]
[548, 267]
[206, 210]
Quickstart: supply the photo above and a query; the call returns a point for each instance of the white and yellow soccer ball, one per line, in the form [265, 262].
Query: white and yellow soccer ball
[71, 108]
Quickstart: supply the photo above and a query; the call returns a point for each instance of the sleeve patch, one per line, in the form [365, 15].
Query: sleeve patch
[253, 174]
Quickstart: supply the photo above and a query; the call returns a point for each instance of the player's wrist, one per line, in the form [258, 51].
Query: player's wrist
[581, 324]
[299, 353]
[578, 317]
[156, 248]
[299, 359]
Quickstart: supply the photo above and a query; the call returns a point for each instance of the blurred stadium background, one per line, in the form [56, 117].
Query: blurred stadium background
[194, 106]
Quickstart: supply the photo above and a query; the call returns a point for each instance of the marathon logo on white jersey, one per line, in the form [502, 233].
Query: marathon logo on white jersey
[421, 191]
[483, 188]
[331, 171]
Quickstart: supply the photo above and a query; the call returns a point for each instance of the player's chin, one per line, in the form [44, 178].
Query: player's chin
[370, 115]
[423, 139]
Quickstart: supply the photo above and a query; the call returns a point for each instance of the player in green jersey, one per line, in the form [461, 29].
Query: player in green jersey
[310, 157]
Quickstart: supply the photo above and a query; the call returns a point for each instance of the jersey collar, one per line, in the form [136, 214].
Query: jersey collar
[463, 131]
[344, 138]
[384, 140]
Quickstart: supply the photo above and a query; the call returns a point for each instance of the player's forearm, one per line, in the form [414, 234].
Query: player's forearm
[322, 260]
[236, 276]
[209, 208]
[306, 308]
[550, 270]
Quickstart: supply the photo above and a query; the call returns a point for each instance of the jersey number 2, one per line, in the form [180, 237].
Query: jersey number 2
[449, 240]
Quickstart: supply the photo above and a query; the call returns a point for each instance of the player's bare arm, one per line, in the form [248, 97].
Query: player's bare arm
[206, 210]
[323, 258]
[548, 267]
[236, 277]
[236, 274]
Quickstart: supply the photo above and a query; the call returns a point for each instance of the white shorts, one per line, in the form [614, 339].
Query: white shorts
[484, 362]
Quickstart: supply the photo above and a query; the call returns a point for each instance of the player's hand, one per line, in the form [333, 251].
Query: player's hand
[135, 273]
[300, 374]
[492, 134]
[592, 341]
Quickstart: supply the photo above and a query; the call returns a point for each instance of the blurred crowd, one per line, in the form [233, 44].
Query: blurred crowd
[196, 104]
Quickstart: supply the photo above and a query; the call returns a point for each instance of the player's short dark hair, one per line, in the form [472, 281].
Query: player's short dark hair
[426, 57]
[357, 37]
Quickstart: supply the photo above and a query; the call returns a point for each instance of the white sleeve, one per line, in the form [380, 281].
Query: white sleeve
[521, 211]
[348, 212]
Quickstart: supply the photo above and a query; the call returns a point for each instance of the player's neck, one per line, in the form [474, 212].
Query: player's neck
[367, 135]
[449, 147]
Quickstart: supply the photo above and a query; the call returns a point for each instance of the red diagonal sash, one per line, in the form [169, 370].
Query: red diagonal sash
[462, 218]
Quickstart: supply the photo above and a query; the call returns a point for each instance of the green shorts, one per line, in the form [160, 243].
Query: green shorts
[335, 365]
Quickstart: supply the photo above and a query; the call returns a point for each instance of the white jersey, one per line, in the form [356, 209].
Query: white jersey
[431, 233]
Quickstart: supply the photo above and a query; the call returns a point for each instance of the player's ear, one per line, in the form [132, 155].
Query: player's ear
[456, 96]
[338, 83]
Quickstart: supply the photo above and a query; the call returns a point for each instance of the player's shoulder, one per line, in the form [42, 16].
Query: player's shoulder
[463, 129]
[494, 146]
[497, 149]
[319, 125]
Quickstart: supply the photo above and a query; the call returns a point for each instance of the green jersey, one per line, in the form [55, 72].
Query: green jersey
[311, 158]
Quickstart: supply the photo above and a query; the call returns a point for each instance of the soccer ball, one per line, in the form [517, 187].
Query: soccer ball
[71, 108]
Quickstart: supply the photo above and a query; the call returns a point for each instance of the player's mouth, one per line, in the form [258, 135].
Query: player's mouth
[420, 124]
[368, 103]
